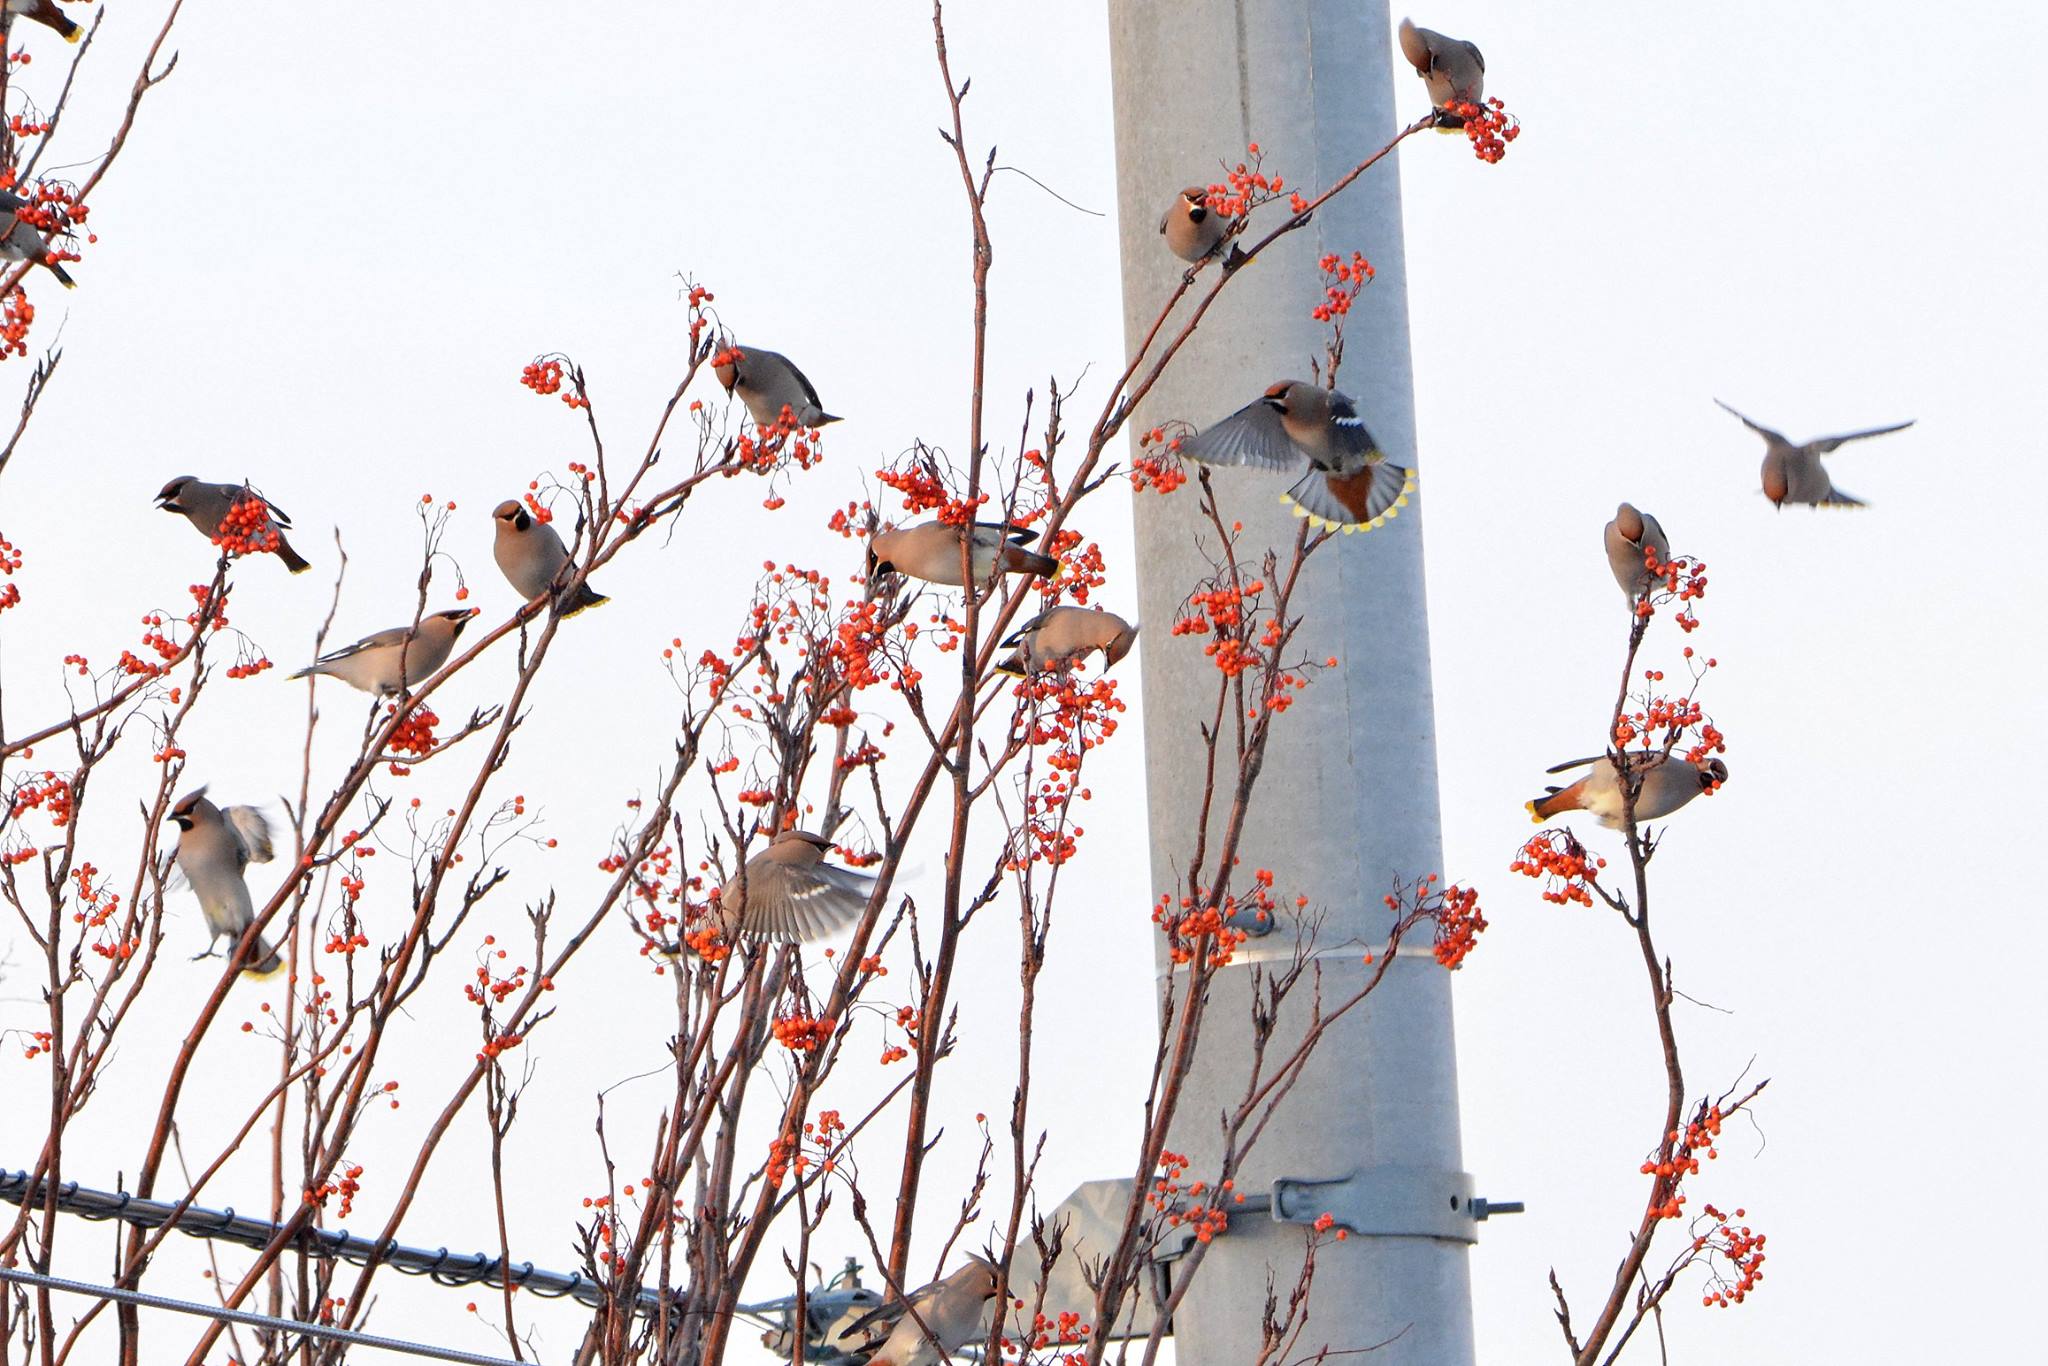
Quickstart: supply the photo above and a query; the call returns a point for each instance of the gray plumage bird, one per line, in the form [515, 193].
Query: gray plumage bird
[1348, 485]
[767, 382]
[49, 15]
[1058, 636]
[215, 848]
[931, 551]
[949, 1314]
[388, 662]
[1191, 228]
[1794, 474]
[1452, 69]
[23, 241]
[1667, 783]
[1626, 537]
[788, 894]
[206, 506]
[533, 559]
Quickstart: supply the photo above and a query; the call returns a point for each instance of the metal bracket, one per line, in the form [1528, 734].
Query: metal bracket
[1390, 1202]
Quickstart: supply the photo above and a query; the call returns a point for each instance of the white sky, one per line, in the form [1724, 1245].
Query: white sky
[332, 245]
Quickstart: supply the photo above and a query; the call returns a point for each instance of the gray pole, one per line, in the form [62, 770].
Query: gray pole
[1348, 798]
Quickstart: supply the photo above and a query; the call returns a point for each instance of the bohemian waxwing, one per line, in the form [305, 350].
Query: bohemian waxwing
[789, 894]
[533, 558]
[1059, 636]
[1349, 484]
[1627, 536]
[20, 241]
[1194, 231]
[767, 383]
[948, 1315]
[1793, 474]
[931, 551]
[215, 846]
[49, 15]
[206, 506]
[374, 665]
[1451, 67]
[1668, 782]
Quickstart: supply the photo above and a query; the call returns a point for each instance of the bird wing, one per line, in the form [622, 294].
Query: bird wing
[252, 834]
[1757, 427]
[277, 514]
[1821, 445]
[1017, 533]
[802, 382]
[1253, 436]
[804, 903]
[1354, 443]
[376, 641]
[1473, 48]
[1574, 763]
[1026, 629]
[1838, 499]
[11, 201]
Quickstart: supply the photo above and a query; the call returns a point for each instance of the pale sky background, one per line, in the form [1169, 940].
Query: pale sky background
[331, 246]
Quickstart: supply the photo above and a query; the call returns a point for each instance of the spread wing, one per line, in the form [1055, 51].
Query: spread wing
[252, 834]
[1765, 432]
[796, 905]
[1251, 436]
[1821, 445]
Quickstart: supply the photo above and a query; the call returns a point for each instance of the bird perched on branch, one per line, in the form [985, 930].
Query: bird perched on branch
[1451, 67]
[787, 893]
[388, 662]
[1349, 484]
[1627, 536]
[947, 1316]
[533, 558]
[768, 382]
[1059, 636]
[21, 240]
[50, 15]
[1193, 231]
[1667, 783]
[215, 847]
[206, 506]
[1794, 474]
[931, 551]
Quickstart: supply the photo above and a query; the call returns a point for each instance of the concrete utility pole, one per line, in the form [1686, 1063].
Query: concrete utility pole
[1348, 799]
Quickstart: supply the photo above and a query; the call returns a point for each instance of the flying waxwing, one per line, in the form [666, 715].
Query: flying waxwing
[533, 558]
[767, 383]
[931, 551]
[1193, 230]
[1793, 474]
[20, 241]
[47, 13]
[1059, 636]
[1627, 536]
[206, 506]
[374, 665]
[1451, 67]
[947, 1316]
[215, 846]
[787, 893]
[1349, 484]
[1668, 782]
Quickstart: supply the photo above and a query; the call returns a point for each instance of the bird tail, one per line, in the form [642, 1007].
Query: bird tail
[1014, 665]
[823, 418]
[265, 960]
[1364, 501]
[586, 596]
[63, 275]
[1554, 801]
[306, 672]
[1018, 560]
[293, 560]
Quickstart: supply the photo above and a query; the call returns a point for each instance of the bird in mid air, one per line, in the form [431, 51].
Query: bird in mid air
[1794, 474]
[1348, 483]
[215, 848]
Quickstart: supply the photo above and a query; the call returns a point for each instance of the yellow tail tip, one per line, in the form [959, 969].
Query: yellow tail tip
[1534, 815]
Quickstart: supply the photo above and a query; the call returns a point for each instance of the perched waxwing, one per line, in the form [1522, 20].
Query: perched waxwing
[49, 15]
[931, 551]
[533, 558]
[939, 1320]
[1058, 636]
[1794, 474]
[767, 383]
[1628, 535]
[388, 662]
[1193, 231]
[1451, 67]
[1668, 782]
[1349, 484]
[789, 894]
[21, 241]
[206, 506]
[215, 847]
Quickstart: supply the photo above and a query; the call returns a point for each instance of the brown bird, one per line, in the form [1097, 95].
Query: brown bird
[1349, 484]
[767, 382]
[948, 1315]
[533, 558]
[1667, 783]
[789, 894]
[1193, 231]
[46, 13]
[215, 848]
[1059, 636]
[1627, 536]
[206, 506]
[1451, 67]
[1794, 474]
[931, 551]
[394, 660]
